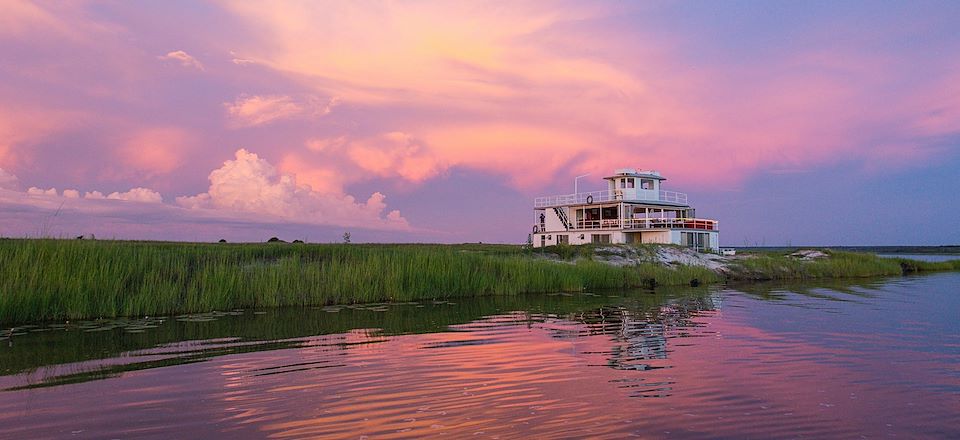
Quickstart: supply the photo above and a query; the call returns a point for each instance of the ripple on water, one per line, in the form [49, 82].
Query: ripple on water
[807, 361]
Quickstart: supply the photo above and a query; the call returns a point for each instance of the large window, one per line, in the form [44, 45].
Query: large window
[600, 238]
[646, 183]
[563, 239]
[697, 240]
[611, 212]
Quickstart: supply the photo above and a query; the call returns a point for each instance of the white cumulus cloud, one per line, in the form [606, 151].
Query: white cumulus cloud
[185, 59]
[250, 184]
[34, 191]
[143, 195]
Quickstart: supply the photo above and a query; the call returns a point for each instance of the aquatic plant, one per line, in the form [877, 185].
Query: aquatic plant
[838, 264]
[69, 279]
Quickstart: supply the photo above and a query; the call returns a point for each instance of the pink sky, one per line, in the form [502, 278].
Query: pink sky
[195, 121]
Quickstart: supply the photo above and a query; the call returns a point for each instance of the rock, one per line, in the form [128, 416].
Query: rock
[808, 254]
[689, 257]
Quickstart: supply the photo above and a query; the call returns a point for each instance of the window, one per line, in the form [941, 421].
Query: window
[630, 182]
[623, 183]
[543, 240]
[600, 238]
[563, 239]
[611, 212]
[646, 183]
[696, 240]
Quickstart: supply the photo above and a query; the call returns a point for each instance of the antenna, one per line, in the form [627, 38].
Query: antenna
[575, 180]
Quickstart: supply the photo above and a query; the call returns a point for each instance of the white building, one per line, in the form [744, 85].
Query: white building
[633, 209]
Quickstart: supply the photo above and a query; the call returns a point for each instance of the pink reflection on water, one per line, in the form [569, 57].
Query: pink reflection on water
[508, 376]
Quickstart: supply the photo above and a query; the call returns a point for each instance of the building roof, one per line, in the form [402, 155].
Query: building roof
[630, 172]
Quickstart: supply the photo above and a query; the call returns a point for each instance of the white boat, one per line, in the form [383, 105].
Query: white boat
[633, 209]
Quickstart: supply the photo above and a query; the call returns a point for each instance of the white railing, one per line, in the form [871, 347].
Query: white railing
[608, 196]
[673, 197]
[647, 223]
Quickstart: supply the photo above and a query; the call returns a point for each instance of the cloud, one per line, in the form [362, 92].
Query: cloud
[34, 191]
[249, 111]
[573, 90]
[249, 184]
[246, 189]
[8, 180]
[143, 195]
[327, 164]
[23, 125]
[395, 154]
[154, 151]
[185, 59]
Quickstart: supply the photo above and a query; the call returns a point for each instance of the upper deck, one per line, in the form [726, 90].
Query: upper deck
[586, 198]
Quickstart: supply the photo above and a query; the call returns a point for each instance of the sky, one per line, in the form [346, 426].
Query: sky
[791, 123]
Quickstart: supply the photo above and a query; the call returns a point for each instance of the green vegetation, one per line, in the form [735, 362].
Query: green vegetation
[66, 279]
[42, 280]
[773, 266]
[910, 266]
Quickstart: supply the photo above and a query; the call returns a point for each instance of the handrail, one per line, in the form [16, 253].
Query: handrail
[648, 223]
[581, 198]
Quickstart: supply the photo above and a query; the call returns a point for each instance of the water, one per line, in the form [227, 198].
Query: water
[923, 257]
[873, 358]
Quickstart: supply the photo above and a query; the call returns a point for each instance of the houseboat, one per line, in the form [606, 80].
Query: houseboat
[633, 209]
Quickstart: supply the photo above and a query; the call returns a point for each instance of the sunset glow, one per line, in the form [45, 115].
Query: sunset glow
[245, 120]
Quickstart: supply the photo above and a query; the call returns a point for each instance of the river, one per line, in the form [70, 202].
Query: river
[837, 359]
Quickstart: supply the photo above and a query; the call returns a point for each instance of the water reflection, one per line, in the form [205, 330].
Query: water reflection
[836, 359]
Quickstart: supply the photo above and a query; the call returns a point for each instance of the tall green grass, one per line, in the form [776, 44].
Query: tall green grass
[769, 266]
[66, 279]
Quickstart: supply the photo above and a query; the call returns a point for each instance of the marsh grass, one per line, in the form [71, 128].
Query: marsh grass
[65, 279]
[772, 266]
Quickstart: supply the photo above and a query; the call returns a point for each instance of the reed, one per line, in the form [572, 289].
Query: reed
[771, 266]
[65, 279]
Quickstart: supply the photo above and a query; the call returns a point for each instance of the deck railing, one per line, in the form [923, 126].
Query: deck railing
[648, 223]
[581, 198]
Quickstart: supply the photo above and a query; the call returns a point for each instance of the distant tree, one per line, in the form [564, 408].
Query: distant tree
[298, 241]
[275, 240]
[222, 240]
[346, 238]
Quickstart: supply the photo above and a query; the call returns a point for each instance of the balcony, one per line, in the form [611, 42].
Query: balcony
[648, 223]
[586, 198]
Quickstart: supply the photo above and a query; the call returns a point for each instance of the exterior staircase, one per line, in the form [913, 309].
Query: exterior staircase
[562, 215]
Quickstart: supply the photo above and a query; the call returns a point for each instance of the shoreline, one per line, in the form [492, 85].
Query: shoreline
[45, 280]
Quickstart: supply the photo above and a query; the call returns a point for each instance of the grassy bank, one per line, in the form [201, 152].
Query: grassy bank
[776, 266]
[67, 279]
